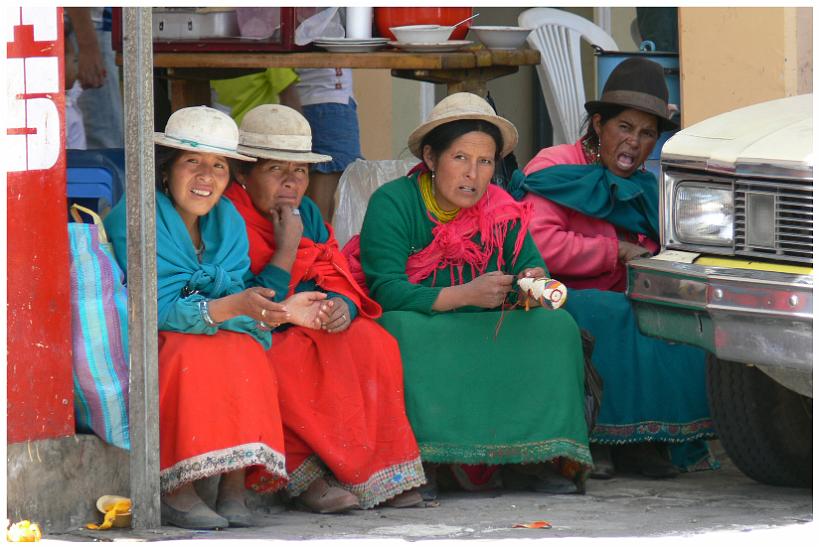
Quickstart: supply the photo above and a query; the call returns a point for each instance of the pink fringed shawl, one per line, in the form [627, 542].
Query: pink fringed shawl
[454, 244]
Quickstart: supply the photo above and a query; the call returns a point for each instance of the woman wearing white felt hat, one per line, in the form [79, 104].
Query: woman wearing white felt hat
[372, 457]
[217, 417]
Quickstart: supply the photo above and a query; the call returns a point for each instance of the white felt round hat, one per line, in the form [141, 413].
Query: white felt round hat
[278, 132]
[201, 129]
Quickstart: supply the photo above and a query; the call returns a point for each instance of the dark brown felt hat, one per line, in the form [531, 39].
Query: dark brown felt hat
[639, 84]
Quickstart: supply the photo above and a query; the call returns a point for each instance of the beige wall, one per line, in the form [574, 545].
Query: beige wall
[513, 94]
[388, 111]
[373, 92]
[622, 19]
[733, 57]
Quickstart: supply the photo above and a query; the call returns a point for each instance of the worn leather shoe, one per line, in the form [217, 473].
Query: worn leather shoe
[199, 517]
[409, 498]
[235, 512]
[320, 497]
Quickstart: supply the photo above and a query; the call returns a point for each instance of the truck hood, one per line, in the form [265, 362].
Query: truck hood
[767, 139]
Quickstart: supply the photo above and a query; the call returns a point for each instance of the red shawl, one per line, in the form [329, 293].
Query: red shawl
[322, 263]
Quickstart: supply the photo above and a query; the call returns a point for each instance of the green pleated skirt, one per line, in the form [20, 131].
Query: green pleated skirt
[474, 397]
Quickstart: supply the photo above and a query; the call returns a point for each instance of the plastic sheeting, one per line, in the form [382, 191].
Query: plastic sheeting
[357, 183]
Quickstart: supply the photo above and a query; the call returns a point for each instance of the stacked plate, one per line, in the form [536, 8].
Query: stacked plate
[351, 45]
[432, 47]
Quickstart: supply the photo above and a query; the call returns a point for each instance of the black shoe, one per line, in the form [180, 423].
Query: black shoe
[602, 467]
[549, 481]
[646, 459]
[537, 477]
[429, 490]
[199, 517]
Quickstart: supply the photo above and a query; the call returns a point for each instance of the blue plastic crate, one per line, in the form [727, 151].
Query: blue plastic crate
[95, 178]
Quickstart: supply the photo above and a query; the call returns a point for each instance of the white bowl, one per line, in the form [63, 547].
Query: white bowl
[501, 38]
[121, 520]
[422, 34]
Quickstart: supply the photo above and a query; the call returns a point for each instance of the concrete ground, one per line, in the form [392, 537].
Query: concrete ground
[713, 503]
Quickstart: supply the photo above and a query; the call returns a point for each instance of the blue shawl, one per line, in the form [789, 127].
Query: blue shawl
[181, 279]
[629, 203]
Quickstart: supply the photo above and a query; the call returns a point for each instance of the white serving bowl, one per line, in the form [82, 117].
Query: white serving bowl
[501, 38]
[422, 34]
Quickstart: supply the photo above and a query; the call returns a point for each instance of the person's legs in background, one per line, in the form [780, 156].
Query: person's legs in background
[322, 191]
[102, 107]
[335, 129]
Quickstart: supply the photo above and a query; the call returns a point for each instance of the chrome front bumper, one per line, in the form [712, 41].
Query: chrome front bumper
[742, 315]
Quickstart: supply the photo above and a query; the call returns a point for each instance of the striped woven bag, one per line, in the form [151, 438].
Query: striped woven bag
[99, 332]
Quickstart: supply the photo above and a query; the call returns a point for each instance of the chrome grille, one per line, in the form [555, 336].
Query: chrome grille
[793, 220]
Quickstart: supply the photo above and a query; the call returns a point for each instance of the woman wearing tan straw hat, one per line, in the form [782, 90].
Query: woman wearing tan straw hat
[441, 249]
[218, 411]
[348, 443]
[595, 209]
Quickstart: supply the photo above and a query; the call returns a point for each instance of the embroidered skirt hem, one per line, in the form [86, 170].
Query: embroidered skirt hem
[485, 389]
[342, 400]
[218, 410]
[534, 452]
[225, 461]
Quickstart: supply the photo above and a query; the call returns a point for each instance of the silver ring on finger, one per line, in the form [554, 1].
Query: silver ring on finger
[264, 312]
[296, 211]
[262, 326]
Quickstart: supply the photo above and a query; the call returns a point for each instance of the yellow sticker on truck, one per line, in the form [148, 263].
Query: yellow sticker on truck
[711, 261]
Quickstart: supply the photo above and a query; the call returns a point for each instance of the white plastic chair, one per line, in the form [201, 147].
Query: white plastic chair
[557, 36]
[357, 183]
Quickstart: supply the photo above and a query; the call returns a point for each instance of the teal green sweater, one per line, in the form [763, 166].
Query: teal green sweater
[395, 226]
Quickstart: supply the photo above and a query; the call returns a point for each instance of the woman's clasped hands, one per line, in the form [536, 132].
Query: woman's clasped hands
[308, 309]
[338, 316]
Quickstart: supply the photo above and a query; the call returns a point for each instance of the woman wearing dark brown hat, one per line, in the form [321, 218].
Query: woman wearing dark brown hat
[595, 209]
[441, 249]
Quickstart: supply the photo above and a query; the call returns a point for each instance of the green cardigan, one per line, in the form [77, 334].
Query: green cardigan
[397, 225]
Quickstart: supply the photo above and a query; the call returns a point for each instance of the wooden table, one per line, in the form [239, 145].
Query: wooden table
[465, 70]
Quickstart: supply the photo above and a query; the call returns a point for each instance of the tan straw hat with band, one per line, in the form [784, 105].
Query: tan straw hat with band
[277, 132]
[463, 106]
[201, 129]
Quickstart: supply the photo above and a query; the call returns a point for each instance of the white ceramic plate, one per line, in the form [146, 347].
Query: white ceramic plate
[351, 48]
[436, 47]
[349, 41]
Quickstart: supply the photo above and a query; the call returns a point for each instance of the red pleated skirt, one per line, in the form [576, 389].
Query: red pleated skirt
[218, 410]
[342, 401]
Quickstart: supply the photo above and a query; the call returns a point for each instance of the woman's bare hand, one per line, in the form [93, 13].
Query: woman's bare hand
[308, 309]
[256, 302]
[339, 318]
[287, 227]
[532, 272]
[628, 251]
[489, 290]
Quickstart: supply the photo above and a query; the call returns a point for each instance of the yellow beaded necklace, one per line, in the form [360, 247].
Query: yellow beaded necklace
[427, 194]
